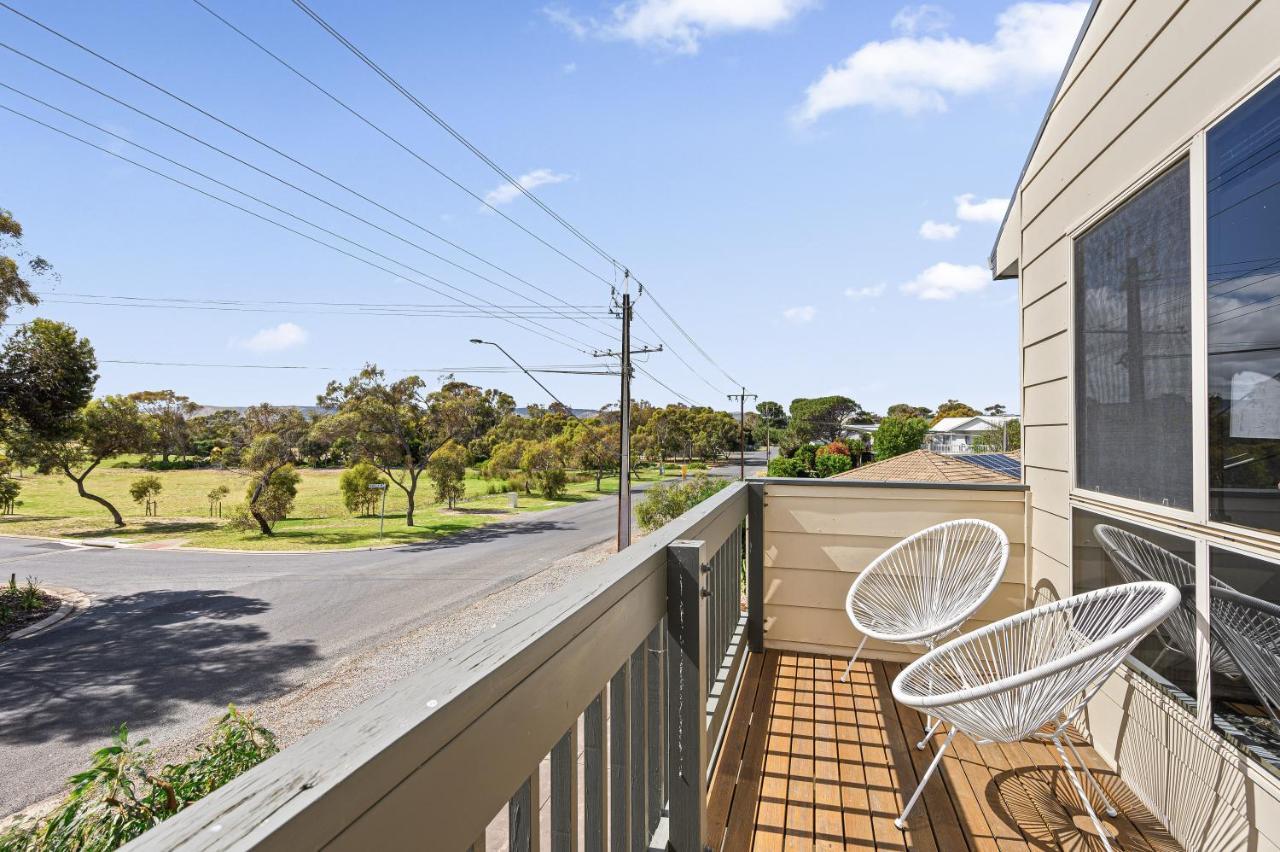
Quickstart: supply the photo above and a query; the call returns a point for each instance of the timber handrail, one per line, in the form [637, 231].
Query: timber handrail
[428, 762]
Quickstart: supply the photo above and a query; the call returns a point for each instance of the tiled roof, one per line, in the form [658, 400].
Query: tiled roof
[926, 466]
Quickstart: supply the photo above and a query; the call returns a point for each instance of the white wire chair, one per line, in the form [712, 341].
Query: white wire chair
[1248, 628]
[1136, 559]
[1009, 680]
[926, 586]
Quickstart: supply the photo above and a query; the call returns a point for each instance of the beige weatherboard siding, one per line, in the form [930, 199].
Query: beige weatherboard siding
[1145, 81]
[820, 536]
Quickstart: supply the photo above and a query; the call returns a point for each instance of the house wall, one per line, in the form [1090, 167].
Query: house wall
[1147, 77]
[820, 535]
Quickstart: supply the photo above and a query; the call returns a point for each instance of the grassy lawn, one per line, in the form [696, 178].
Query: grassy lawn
[51, 507]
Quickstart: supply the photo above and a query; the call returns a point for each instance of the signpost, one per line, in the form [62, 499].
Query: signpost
[382, 517]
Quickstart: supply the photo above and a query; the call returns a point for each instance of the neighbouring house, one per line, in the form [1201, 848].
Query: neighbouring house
[957, 434]
[928, 466]
[1144, 234]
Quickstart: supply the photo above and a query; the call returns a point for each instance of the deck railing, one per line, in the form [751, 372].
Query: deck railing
[634, 667]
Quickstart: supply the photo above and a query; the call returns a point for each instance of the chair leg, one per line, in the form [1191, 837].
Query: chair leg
[1110, 808]
[901, 822]
[845, 677]
[928, 735]
[1097, 823]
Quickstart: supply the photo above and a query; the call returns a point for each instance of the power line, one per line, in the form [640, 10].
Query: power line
[280, 224]
[245, 163]
[667, 347]
[578, 369]
[389, 137]
[649, 291]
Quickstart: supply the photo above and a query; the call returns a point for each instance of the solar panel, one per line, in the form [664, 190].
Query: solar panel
[998, 462]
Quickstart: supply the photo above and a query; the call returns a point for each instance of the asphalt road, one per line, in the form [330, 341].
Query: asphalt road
[172, 637]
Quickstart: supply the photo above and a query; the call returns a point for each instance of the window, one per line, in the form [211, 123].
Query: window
[1243, 258]
[1244, 668]
[1133, 347]
[1108, 552]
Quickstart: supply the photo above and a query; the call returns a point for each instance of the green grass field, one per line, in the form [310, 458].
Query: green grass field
[51, 507]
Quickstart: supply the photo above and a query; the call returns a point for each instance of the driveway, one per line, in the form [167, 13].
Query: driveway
[172, 637]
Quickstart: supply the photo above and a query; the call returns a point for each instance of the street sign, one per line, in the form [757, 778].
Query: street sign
[382, 518]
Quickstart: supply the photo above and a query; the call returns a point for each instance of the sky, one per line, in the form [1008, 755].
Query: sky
[810, 188]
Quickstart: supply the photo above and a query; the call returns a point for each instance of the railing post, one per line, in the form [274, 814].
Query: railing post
[686, 697]
[755, 566]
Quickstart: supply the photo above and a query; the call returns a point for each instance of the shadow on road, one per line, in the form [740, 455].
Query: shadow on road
[491, 532]
[138, 659]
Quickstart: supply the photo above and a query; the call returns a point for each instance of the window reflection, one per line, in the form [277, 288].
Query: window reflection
[1107, 552]
[1244, 619]
[1243, 161]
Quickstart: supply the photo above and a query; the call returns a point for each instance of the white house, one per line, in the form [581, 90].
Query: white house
[956, 434]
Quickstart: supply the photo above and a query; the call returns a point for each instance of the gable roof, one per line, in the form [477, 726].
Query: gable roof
[926, 466]
[1044, 121]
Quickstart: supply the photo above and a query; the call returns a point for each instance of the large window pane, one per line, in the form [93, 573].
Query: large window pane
[1244, 314]
[1133, 347]
[1107, 552]
[1244, 621]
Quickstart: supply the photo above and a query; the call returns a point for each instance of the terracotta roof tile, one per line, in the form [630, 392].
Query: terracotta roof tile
[926, 466]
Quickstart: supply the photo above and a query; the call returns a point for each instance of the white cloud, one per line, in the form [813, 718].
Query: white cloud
[678, 25]
[569, 67]
[970, 209]
[925, 18]
[932, 230]
[915, 73]
[506, 193]
[944, 281]
[800, 315]
[865, 292]
[286, 335]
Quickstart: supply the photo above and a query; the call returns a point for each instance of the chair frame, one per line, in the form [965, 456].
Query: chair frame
[928, 638]
[1119, 643]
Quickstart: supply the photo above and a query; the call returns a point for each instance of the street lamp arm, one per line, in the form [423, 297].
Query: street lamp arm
[527, 373]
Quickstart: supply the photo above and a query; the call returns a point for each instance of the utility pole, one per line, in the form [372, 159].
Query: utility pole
[624, 419]
[742, 428]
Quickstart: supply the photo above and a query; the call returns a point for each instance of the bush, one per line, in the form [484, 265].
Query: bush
[447, 468]
[898, 435]
[785, 467]
[118, 797]
[356, 494]
[172, 464]
[666, 501]
[829, 464]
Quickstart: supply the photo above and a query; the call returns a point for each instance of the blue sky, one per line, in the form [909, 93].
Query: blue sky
[810, 188]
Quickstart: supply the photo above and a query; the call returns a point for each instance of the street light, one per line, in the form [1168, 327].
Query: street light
[527, 373]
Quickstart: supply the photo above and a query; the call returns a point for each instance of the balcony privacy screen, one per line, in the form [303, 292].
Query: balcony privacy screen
[1133, 347]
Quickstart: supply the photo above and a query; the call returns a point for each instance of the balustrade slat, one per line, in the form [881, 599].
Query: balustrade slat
[636, 779]
[619, 771]
[686, 698]
[522, 817]
[653, 728]
[564, 792]
[595, 782]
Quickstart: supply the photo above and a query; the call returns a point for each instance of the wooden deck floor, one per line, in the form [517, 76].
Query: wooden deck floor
[811, 763]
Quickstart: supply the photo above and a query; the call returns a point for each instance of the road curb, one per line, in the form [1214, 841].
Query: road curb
[73, 600]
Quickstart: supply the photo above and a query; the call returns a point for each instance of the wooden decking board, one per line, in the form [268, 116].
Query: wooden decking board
[828, 765]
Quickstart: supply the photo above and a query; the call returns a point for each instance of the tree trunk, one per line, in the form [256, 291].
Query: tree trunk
[410, 494]
[599, 476]
[79, 481]
[263, 526]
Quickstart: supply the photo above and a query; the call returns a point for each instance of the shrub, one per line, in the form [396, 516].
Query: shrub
[669, 500]
[898, 435]
[172, 464]
[354, 485]
[447, 467]
[837, 446]
[829, 464]
[119, 797]
[783, 466]
[543, 465]
[10, 489]
[807, 454]
[144, 490]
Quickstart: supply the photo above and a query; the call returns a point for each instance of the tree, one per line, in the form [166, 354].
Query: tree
[269, 457]
[144, 490]
[898, 435]
[354, 484]
[902, 409]
[216, 496]
[104, 428]
[594, 447]
[166, 413]
[997, 410]
[15, 280]
[270, 498]
[544, 467]
[447, 468]
[823, 417]
[47, 375]
[773, 414]
[954, 408]
[1001, 439]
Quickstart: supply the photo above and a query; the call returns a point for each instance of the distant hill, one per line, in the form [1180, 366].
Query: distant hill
[309, 410]
[523, 411]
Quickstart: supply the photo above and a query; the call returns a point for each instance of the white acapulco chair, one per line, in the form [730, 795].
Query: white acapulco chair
[1010, 680]
[926, 586]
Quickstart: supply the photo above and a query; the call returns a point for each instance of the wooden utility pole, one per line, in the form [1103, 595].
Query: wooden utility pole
[742, 429]
[624, 419]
